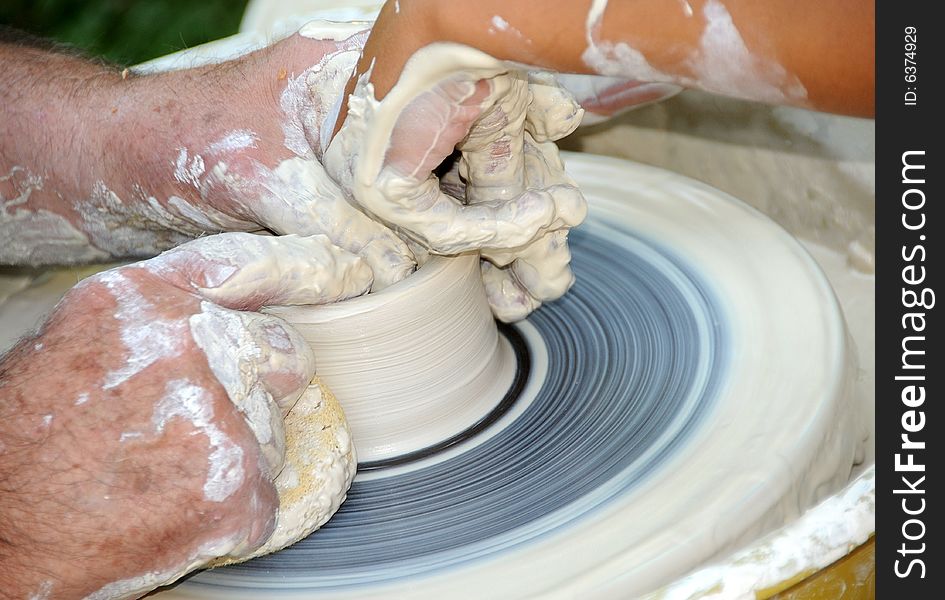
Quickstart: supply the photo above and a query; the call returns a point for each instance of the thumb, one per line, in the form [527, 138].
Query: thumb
[493, 150]
[245, 271]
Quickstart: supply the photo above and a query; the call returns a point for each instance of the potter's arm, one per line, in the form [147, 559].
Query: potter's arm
[801, 52]
[98, 163]
[49, 141]
[87, 157]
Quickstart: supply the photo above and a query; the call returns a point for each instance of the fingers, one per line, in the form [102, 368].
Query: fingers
[385, 153]
[545, 170]
[543, 267]
[299, 197]
[407, 195]
[262, 364]
[522, 278]
[427, 130]
[388, 261]
[553, 113]
[246, 271]
[285, 361]
[445, 226]
[509, 300]
[492, 151]
[514, 178]
[519, 281]
[516, 186]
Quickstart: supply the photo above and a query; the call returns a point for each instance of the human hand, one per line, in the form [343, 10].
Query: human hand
[509, 191]
[141, 429]
[518, 279]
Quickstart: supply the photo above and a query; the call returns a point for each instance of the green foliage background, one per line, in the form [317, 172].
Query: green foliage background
[125, 31]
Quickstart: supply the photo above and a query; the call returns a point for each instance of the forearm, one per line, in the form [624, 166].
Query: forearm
[51, 139]
[800, 52]
[97, 163]
[48, 96]
[87, 157]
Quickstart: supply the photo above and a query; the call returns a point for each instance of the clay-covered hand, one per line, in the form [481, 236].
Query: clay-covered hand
[385, 152]
[142, 427]
[509, 196]
[518, 279]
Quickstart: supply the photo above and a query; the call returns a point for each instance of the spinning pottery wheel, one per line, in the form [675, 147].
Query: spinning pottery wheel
[688, 394]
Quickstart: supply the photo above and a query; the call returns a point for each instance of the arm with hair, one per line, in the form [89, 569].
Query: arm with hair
[98, 162]
[51, 140]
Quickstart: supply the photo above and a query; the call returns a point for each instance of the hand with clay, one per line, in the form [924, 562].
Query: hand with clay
[99, 164]
[507, 194]
[142, 427]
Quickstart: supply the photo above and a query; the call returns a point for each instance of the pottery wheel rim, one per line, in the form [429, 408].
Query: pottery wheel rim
[749, 289]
